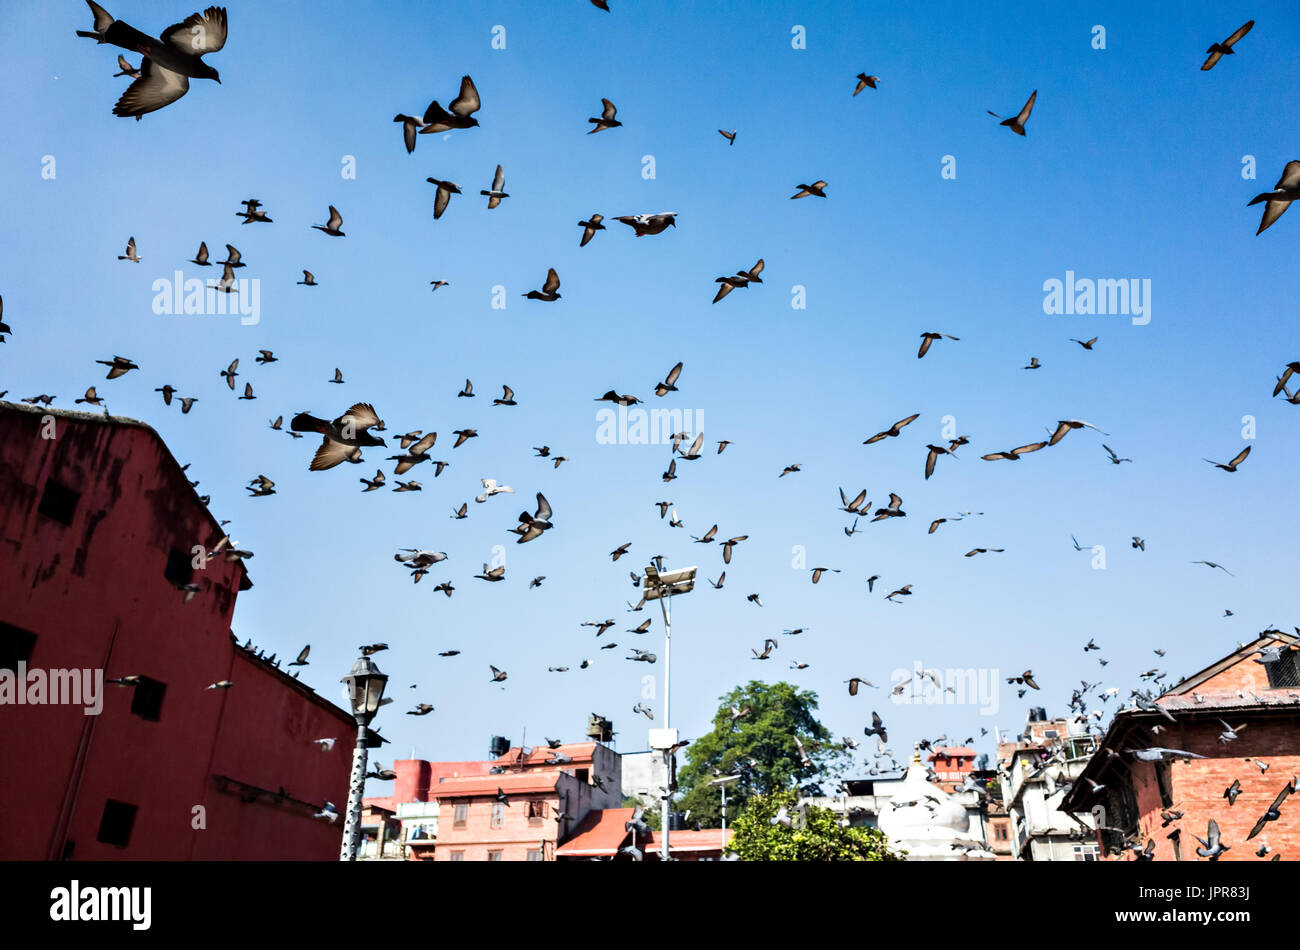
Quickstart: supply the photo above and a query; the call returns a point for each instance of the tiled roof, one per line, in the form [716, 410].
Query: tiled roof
[1229, 699]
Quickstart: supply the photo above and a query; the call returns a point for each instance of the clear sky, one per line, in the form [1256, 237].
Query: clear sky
[1132, 168]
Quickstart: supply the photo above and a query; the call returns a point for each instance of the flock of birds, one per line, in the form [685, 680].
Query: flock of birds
[162, 78]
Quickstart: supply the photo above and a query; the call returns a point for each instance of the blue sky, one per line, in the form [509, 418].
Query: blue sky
[1132, 168]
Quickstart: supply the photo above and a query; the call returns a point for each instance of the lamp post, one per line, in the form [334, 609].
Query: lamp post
[724, 781]
[364, 686]
[662, 586]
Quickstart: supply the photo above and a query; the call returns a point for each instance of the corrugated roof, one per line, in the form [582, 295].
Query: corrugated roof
[526, 783]
[539, 754]
[601, 832]
[706, 839]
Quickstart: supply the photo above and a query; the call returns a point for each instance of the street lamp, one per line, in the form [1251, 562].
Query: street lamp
[724, 781]
[663, 586]
[364, 686]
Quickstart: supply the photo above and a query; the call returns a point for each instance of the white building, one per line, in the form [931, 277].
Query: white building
[930, 824]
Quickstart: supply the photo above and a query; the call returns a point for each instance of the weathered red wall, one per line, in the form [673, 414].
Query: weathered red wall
[95, 595]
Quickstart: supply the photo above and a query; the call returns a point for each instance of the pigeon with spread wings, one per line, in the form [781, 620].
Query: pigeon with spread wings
[1219, 50]
[169, 61]
[1279, 199]
[549, 289]
[343, 437]
[458, 113]
[1017, 123]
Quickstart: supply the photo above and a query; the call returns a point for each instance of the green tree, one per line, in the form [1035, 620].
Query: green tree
[760, 747]
[814, 834]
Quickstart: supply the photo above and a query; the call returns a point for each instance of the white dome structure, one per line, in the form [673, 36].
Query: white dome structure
[923, 820]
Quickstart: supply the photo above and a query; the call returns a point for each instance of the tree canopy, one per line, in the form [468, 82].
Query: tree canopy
[760, 747]
[813, 834]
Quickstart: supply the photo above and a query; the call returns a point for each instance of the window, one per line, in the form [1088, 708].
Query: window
[498, 815]
[147, 701]
[535, 855]
[460, 815]
[494, 855]
[15, 646]
[536, 812]
[179, 570]
[1000, 833]
[58, 502]
[1284, 674]
[458, 856]
[115, 826]
[581, 775]
[1085, 852]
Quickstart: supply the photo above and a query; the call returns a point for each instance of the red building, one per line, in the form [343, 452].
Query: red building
[952, 764]
[1261, 702]
[99, 529]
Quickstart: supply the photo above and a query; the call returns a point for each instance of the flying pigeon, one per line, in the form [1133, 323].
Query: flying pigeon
[1017, 123]
[169, 62]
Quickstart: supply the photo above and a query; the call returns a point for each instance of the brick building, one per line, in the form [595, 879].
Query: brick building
[1261, 702]
[98, 525]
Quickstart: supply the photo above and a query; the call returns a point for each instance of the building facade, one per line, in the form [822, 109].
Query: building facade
[1170, 801]
[99, 531]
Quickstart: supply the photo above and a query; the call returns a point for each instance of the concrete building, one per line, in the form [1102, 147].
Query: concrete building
[1170, 801]
[1035, 770]
[381, 835]
[100, 534]
[643, 775]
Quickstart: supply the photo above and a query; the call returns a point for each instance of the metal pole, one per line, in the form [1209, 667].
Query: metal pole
[352, 824]
[724, 815]
[668, 681]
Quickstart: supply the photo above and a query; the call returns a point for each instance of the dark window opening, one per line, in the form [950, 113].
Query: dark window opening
[115, 827]
[147, 701]
[581, 775]
[1284, 674]
[179, 570]
[1176, 838]
[15, 646]
[59, 502]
